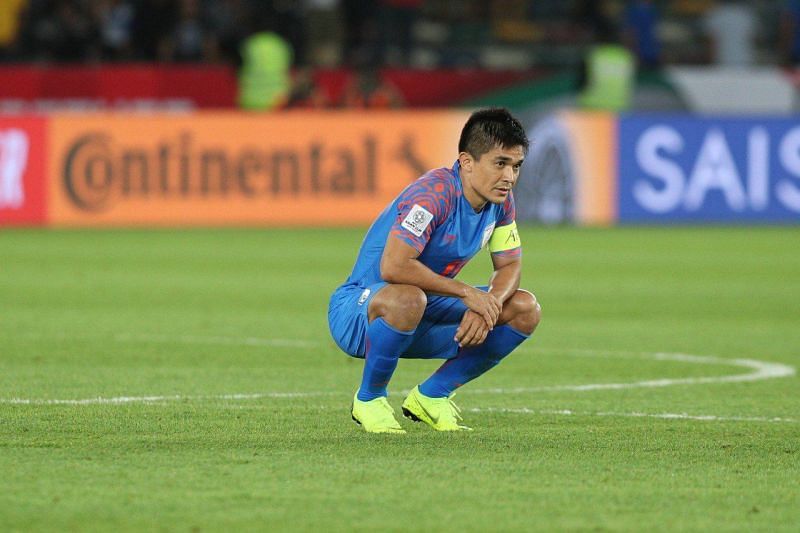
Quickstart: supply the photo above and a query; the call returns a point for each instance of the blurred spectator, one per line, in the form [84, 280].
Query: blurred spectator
[115, 19]
[264, 78]
[368, 89]
[228, 21]
[361, 31]
[640, 22]
[190, 40]
[790, 32]
[731, 28]
[323, 32]
[306, 94]
[59, 30]
[592, 17]
[397, 18]
[10, 15]
[154, 22]
[607, 75]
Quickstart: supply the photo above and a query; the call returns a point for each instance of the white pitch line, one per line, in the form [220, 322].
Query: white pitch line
[667, 416]
[761, 370]
[230, 341]
[115, 400]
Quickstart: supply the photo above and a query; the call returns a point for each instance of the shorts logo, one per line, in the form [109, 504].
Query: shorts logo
[417, 220]
[363, 297]
[13, 160]
[487, 234]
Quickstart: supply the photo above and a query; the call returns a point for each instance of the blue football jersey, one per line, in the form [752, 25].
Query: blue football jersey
[433, 216]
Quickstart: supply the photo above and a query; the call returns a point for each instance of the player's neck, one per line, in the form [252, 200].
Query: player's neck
[474, 199]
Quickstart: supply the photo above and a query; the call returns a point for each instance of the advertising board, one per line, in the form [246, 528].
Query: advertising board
[694, 169]
[22, 167]
[296, 168]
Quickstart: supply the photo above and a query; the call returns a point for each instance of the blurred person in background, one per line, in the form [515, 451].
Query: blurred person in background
[153, 25]
[397, 19]
[306, 94]
[115, 19]
[265, 72]
[790, 32]
[361, 31]
[731, 28]
[607, 74]
[640, 28]
[368, 89]
[323, 32]
[190, 40]
[58, 30]
[228, 20]
[10, 16]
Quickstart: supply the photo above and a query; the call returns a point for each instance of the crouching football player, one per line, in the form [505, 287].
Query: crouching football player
[401, 299]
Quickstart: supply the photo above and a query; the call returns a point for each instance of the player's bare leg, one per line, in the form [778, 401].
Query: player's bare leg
[394, 313]
[522, 312]
[401, 306]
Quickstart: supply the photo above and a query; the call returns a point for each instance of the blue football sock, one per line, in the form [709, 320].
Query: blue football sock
[384, 346]
[472, 362]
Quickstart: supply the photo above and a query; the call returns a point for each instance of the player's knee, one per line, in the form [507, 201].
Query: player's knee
[402, 306]
[526, 310]
[411, 301]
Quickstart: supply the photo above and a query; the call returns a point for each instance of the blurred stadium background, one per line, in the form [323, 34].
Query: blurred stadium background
[277, 130]
[641, 111]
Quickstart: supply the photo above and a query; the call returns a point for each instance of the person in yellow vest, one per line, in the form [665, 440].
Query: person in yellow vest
[10, 11]
[265, 75]
[608, 75]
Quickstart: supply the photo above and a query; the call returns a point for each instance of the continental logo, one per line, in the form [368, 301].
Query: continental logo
[99, 172]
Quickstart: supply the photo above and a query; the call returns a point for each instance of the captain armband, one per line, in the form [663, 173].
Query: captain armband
[504, 238]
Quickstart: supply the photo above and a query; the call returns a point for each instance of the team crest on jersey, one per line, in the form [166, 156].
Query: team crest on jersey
[487, 234]
[417, 220]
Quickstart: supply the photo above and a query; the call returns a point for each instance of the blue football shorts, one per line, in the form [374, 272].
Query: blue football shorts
[348, 321]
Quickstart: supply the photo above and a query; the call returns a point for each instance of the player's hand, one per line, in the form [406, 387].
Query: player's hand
[486, 305]
[472, 331]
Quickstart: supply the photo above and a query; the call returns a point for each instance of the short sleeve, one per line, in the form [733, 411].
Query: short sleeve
[421, 208]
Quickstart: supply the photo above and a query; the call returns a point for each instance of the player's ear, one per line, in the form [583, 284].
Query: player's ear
[466, 161]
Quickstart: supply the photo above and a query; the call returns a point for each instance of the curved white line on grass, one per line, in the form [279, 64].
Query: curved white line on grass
[667, 416]
[761, 370]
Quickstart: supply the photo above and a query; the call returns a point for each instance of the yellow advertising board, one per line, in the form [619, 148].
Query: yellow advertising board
[296, 168]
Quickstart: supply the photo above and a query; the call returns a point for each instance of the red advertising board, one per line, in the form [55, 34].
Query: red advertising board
[22, 171]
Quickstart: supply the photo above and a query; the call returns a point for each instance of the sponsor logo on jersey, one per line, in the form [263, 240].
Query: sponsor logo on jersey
[417, 220]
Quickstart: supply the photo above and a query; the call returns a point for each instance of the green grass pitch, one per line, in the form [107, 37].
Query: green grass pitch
[657, 394]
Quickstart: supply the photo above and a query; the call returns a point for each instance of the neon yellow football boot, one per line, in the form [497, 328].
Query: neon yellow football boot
[375, 416]
[439, 413]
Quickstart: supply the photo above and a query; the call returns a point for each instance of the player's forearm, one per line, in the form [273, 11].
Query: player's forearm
[413, 272]
[505, 280]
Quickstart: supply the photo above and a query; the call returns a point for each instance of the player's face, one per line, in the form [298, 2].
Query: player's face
[491, 178]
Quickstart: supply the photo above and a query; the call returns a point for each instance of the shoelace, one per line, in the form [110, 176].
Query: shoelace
[455, 410]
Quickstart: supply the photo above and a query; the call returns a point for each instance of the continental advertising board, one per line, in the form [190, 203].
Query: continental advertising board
[222, 169]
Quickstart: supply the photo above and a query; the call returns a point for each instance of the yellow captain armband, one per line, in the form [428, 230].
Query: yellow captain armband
[505, 238]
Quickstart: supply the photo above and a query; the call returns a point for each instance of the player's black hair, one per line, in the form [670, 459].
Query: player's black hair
[487, 128]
